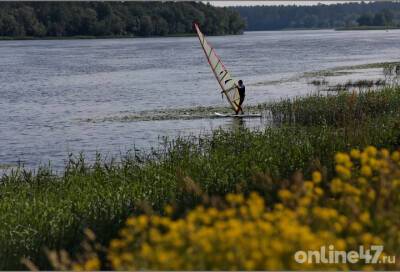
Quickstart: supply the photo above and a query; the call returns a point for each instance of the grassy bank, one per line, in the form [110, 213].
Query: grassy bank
[43, 210]
[359, 206]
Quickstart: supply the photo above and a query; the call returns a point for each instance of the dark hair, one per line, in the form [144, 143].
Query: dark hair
[240, 82]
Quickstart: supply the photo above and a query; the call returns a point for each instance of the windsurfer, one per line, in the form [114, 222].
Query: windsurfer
[242, 90]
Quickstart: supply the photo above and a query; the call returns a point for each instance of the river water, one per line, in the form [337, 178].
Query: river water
[48, 88]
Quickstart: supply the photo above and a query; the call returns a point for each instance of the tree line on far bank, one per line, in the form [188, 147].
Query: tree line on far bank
[321, 16]
[44, 19]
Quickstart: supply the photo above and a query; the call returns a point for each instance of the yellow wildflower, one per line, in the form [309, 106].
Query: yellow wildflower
[396, 156]
[341, 158]
[362, 181]
[384, 153]
[305, 201]
[249, 265]
[338, 227]
[92, 264]
[356, 227]
[77, 267]
[371, 194]
[373, 163]
[336, 185]
[367, 238]
[308, 185]
[365, 218]
[355, 153]
[168, 209]
[316, 177]
[371, 151]
[366, 171]
[284, 194]
[343, 171]
[319, 191]
[340, 244]
[364, 157]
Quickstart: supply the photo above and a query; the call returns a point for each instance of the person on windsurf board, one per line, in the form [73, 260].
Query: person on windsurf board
[242, 93]
[233, 90]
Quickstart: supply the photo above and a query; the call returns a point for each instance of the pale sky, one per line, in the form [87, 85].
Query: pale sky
[224, 3]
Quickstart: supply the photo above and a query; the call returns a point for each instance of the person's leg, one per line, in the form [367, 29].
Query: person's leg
[240, 104]
[238, 107]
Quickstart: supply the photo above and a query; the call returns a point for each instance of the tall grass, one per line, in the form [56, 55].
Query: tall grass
[341, 109]
[44, 210]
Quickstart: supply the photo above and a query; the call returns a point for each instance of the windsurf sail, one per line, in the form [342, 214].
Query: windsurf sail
[224, 78]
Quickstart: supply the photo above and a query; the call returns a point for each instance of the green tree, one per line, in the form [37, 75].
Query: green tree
[114, 18]
[365, 20]
[379, 19]
[323, 16]
[103, 10]
[117, 25]
[161, 26]
[146, 26]
[56, 29]
[133, 25]
[88, 20]
[389, 16]
[9, 26]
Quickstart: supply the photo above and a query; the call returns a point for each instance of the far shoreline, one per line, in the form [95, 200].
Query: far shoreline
[183, 35]
[83, 37]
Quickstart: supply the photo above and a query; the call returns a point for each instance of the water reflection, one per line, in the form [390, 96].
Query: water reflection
[238, 124]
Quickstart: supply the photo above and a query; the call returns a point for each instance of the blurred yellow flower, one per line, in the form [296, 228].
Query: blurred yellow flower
[355, 153]
[284, 194]
[343, 171]
[371, 151]
[366, 171]
[396, 156]
[316, 177]
[92, 264]
[341, 158]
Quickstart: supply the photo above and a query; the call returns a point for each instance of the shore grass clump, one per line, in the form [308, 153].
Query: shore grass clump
[341, 109]
[43, 210]
[319, 82]
[357, 85]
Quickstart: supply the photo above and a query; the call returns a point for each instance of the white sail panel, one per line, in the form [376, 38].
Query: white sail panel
[227, 83]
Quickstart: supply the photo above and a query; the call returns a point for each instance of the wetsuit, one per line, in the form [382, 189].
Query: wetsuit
[242, 93]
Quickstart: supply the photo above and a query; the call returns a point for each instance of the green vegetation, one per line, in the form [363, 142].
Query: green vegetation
[389, 69]
[382, 14]
[41, 210]
[358, 207]
[341, 110]
[114, 19]
[367, 28]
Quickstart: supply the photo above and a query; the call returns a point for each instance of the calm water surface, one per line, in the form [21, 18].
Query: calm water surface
[48, 87]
